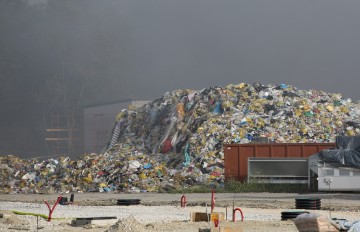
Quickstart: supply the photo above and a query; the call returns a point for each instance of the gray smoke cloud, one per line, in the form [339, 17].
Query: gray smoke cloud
[196, 44]
[61, 55]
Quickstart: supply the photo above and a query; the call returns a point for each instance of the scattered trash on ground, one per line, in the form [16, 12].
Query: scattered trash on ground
[317, 223]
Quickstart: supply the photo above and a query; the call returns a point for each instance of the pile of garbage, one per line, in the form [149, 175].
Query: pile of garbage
[176, 141]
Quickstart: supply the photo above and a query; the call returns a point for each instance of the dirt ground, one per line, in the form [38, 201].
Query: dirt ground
[261, 210]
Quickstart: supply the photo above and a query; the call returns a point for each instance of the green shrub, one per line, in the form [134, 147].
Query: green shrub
[233, 186]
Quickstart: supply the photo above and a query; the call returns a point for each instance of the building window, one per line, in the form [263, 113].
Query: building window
[344, 172]
[329, 172]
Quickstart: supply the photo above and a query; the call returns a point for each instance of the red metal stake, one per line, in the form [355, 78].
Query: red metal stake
[216, 222]
[242, 215]
[52, 210]
[212, 200]
[183, 201]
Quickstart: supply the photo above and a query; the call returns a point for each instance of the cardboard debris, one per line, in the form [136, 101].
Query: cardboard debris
[315, 223]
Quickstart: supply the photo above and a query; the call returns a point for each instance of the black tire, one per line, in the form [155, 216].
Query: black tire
[308, 203]
[307, 199]
[286, 215]
[291, 214]
[128, 202]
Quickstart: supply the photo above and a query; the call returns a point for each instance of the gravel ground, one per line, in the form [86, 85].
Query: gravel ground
[162, 212]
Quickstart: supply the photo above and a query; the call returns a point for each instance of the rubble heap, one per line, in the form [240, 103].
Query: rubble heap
[177, 140]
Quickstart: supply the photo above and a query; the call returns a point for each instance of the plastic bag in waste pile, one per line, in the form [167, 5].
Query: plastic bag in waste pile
[129, 172]
[177, 140]
[348, 142]
[341, 158]
[206, 119]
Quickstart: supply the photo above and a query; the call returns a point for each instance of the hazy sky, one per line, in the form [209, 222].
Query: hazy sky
[75, 53]
[200, 43]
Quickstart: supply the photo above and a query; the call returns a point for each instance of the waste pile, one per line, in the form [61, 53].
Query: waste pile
[176, 141]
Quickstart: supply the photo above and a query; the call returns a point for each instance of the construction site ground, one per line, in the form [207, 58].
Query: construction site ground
[162, 212]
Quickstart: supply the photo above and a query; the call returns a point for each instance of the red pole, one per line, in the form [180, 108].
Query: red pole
[52, 210]
[183, 201]
[242, 215]
[212, 200]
